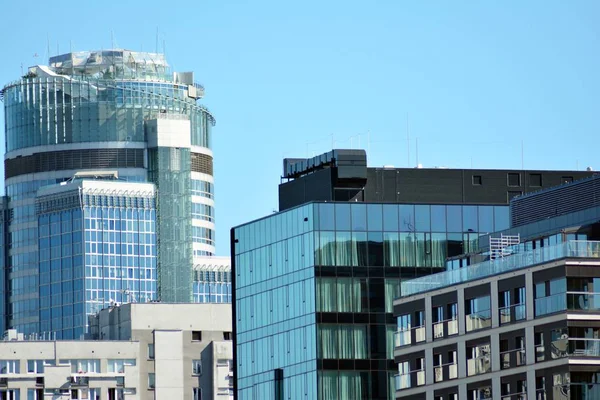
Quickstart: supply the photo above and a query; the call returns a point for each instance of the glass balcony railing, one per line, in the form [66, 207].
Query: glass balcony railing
[405, 381]
[512, 313]
[512, 358]
[438, 372]
[584, 347]
[479, 365]
[571, 249]
[583, 301]
[479, 320]
[405, 337]
[451, 326]
[550, 304]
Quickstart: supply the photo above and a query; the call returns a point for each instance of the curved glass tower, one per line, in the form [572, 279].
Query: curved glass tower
[113, 110]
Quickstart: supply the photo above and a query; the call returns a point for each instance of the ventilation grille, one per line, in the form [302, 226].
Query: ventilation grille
[560, 200]
[74, 159]
[202, 163]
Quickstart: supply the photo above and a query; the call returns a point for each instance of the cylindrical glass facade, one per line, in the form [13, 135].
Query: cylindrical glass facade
[98, 98]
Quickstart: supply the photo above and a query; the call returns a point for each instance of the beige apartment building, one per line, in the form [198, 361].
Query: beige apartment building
[138, 351]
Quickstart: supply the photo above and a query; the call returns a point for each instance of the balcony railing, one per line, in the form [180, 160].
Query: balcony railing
[550, 304]
[515, 396]
[438, 371]
[506, 356]
[479, 320]
[479, 365]
[579, 347]
[571, 249]
[583, 301]
[405, 381]
[506, 313]
[451, 326]
[404, 337]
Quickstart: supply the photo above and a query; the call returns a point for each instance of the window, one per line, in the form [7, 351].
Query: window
[118, 365]
[478, 313]
[151, 351]
[197, 367]
[151, 383]
[37, 366]
[35, 394]
[477, 181]
[226, 335]
[196, 336]
[540, 353]
[535, 180]
[83, 366]
[9, 367]
[197, 393]
[514, 179]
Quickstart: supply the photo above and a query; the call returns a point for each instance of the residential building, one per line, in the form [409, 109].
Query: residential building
[314, 283]
[141, 351]
[106, 111]
[515, 319]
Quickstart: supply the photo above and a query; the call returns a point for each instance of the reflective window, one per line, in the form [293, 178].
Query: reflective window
[375, 217]
[407, 218]
[470, 219]
[422, 218]
[486, 219]
[326, 217]
[390, 218]
[342, 217]
[359, 217]
[438, 218]
[454, 218]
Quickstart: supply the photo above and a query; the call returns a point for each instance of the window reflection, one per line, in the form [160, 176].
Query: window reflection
[422, 218]
[390, 218]
[359, 217]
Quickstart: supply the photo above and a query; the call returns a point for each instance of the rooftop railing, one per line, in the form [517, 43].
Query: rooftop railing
[570, 249]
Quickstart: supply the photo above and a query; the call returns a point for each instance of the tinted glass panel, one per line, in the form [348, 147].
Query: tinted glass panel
[359, 217]
[390, 217]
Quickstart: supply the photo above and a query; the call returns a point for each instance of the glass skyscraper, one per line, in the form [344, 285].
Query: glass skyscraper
[104, 111]
[314, 288]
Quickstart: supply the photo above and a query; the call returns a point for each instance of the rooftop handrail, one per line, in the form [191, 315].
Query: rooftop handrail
[573, 248]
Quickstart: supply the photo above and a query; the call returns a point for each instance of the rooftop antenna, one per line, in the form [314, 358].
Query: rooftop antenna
[417, 150]
[407, 142]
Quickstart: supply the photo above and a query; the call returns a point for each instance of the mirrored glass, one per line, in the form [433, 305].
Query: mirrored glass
[423, 218]
[454, 218]
[359, 217]
[501, 218]
[407, 218]
[326, 216]
[390, 218]
[342, 217]
[375, 217]
[438, 218]
[470, 219]
[486, 219]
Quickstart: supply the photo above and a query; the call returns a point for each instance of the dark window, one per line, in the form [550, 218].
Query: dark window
[514, 179]
[197, 335]
[477, 180]
[566, 179]
[226, 335]
[535, 180]
[278, 384]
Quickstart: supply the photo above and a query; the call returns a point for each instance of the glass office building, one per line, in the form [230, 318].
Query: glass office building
[212, 280]
[314, 288]
[110, 110]
[97, 247]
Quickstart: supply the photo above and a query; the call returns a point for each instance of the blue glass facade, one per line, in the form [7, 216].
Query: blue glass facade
[94, 250]
[314, 286]
[212, 286]
[89, 111]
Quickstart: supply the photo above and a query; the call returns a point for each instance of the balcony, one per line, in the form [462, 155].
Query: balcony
[479, 320]
[516, 312]
[584, 347]
[570, 249]
[79, 381]
[445, 328]
[438, 372]
[550, 304]
[479, 365]
[410, 379]
[512, 358]
[405, 337]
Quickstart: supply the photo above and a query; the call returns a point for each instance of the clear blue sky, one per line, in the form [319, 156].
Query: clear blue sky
[285, 79]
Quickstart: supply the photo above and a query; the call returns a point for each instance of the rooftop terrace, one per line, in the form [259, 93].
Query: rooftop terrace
[570, 249]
